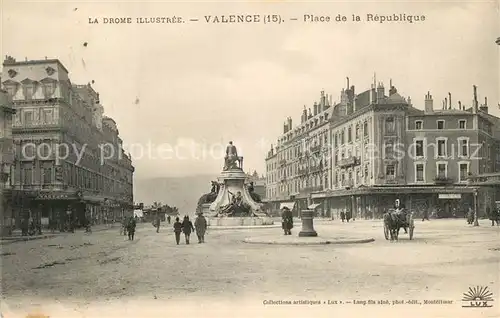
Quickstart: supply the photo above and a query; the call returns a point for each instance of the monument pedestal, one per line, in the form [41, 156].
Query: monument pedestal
[307, 224]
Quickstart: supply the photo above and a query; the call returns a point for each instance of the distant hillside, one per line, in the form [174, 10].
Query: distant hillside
[182, 192]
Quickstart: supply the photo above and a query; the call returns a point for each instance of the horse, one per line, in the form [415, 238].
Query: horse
[393, 223]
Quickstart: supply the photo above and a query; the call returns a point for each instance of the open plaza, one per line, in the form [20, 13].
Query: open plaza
[103, 274]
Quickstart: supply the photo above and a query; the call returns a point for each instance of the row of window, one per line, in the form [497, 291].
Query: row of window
[442, 147]
[441, 171]
[30, 89]
[441, 124]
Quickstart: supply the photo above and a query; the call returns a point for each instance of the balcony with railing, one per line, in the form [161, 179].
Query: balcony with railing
[316, 168]
[487, 178]
[349, 162]
[442, 180]
[282, 162]
[316, 148]
[302, 171]
[312, 189]
[348, 183]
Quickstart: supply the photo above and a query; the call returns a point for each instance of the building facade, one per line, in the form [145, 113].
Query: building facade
[382, 148]
[300, 163]
[6, 161]
[69, 162]
[259, 184]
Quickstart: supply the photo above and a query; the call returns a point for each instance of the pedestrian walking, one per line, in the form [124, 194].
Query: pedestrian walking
[494, 215]
[342, 215]
[168, 219]
[201, 227]
[187, 228]
[426, 215]
[177, 230]
[131, 228]
[123, 229]
[158, 221]
[286, 220]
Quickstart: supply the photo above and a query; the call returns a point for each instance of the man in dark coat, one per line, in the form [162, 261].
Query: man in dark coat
[187, 228]
[177, 230]
[287, 220]
[342, 215]
[158, 222]
[201, 227]
[131, 228]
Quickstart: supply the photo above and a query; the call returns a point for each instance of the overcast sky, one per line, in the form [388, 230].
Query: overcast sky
[175, 84]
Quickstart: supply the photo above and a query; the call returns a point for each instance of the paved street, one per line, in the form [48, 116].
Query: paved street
[96, 274]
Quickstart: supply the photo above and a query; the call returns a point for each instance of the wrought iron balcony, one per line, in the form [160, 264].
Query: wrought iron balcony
[316, 168]
[442, 180]
[349, 162]
[312, 189]
[315, 148]
[348, 184]
[302, 171]
[282, 162]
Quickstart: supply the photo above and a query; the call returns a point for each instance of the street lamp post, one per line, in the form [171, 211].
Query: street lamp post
[476, 222]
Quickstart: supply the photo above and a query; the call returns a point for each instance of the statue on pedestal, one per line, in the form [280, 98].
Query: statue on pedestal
[209, 197]
[231, 160]
[253, 194]
[236, 207]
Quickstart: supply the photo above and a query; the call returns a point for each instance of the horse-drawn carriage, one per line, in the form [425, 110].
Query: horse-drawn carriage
[394, 220]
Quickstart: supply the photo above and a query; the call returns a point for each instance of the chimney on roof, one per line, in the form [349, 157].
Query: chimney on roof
[316, 106]
[380, 92]
[445, 105]
[429, 103]
[322, 102]
[290, 123]
[460, 105]
[449, 95]
[347, 82]
[484, 108]
[310, 114]
[475, 103]
[409, 101]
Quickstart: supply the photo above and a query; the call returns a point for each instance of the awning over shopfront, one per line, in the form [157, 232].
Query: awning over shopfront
[394, 190]
[313, 206]
[289, 205]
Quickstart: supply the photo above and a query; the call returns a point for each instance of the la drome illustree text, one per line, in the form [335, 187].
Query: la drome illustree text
[263, 18]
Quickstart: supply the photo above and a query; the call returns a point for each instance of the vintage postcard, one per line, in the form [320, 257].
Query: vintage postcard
[249, 158]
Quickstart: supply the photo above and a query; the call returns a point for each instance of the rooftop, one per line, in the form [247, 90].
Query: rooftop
[10, 61]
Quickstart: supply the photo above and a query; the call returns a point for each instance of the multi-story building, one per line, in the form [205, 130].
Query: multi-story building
[69, 158]
[300, 163]
[382, 148]
[6, 161]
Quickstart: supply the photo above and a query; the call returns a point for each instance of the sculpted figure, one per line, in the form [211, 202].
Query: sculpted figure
[231, 158]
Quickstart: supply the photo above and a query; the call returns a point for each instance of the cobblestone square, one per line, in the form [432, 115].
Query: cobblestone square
[103, 274]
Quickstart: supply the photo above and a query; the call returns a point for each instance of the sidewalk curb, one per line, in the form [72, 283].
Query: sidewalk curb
[324, 242]
[11, 240]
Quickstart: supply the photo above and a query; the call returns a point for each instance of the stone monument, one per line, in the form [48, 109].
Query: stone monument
[231, 201]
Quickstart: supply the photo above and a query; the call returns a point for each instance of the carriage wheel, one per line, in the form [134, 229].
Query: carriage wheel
[386, 232]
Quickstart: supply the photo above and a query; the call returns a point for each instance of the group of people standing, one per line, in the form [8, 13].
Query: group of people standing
[346, 216]
[187, 227]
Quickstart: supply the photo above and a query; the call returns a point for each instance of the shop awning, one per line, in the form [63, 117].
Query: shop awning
[289, 205]
[313, 206]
